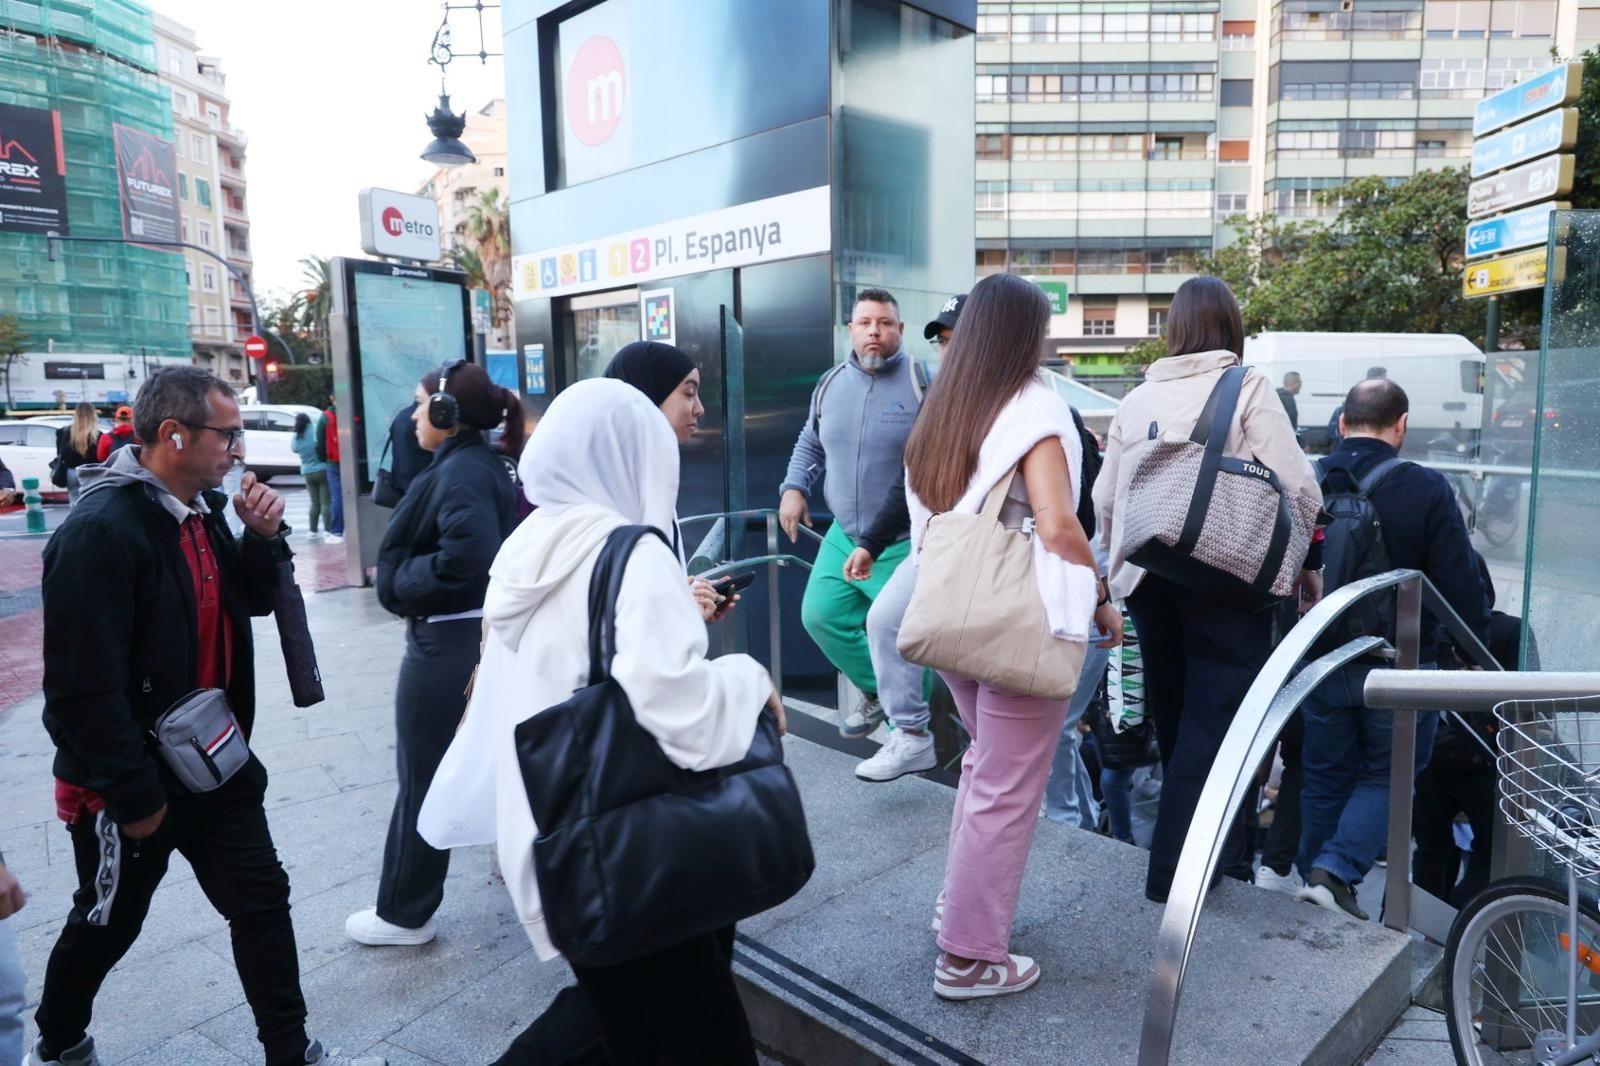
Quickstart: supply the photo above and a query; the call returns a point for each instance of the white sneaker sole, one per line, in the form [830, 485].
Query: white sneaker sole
[985, 991]
[1323, 897]
[879, 777]
[408, 939]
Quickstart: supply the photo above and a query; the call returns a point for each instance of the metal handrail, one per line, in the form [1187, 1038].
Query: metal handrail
[1278, 690]
[1467, 692]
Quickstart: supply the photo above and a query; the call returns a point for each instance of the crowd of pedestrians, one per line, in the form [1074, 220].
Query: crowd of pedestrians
[1037, 537]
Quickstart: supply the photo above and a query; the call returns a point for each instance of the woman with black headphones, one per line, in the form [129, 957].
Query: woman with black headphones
[433, 571]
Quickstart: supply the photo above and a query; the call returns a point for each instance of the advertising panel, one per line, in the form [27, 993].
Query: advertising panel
[33, 171]
[146, 185]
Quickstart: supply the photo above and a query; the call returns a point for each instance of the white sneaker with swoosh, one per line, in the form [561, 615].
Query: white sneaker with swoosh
[984, 979]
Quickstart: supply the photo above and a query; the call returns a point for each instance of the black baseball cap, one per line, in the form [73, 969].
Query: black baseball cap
[947, 317]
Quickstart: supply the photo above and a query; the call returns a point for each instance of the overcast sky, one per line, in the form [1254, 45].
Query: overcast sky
[332, 94]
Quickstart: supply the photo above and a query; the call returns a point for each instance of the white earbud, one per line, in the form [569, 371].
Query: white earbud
[177, 442]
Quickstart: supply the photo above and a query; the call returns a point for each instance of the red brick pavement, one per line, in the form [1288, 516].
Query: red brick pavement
[319, 567]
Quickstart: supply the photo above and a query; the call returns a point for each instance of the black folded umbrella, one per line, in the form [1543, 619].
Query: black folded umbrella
[294, 636]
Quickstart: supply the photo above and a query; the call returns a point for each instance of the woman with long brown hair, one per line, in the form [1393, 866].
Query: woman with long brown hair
[77, 444]
[1200, 654]
[989, 417]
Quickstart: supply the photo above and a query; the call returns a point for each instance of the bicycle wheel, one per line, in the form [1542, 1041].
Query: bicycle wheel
[1505, 970]
[1500, 515]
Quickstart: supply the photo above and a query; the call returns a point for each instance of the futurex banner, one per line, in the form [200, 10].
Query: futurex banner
[147, 168]
[33, 171]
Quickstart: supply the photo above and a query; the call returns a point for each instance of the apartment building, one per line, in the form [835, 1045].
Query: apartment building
[212, 203]
[456, 189]
[1115, 138]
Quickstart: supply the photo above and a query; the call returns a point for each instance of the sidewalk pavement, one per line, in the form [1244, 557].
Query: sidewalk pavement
[176, 997]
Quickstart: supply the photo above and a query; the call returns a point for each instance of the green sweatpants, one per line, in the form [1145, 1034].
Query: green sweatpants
[834, 610]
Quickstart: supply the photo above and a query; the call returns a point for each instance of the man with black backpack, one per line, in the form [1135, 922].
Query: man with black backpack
[1387, 514]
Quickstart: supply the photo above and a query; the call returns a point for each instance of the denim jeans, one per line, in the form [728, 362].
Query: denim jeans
[901, 685]
[1117, 788]
[335, 520]
[1344, 800]
[13, 994]
[1069, 796]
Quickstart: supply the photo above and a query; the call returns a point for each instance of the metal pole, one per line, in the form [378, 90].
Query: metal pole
[1491, 326]
[1572, 956]
[1402, 761]
[774, 620]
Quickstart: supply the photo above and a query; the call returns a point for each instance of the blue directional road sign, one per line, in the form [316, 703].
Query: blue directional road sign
[1503, 233]
[1555, 87]
[1553, 131]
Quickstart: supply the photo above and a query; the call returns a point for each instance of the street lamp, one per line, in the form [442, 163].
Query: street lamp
[446, 150]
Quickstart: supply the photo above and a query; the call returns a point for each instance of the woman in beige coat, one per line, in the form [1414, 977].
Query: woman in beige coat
[1200, 655]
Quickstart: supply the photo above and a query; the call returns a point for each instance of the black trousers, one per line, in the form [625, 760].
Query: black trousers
[225, 838]
[1443, 791]
[1283, 839]
[677, 1007]
[428, 703]
[1199, 660]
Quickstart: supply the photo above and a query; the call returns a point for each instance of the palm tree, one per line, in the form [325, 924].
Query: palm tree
[316, 303]
[489, 227]
[466, 260]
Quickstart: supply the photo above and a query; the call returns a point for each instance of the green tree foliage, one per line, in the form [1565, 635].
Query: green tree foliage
[309, 385]
[1390, 261]
[1586, 176]
[13, 342]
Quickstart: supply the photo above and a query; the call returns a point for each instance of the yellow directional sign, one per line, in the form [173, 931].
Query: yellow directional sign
[1509, 273]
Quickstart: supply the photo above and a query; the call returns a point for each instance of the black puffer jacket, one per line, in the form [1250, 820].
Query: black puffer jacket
[121, 632]
[446, 531]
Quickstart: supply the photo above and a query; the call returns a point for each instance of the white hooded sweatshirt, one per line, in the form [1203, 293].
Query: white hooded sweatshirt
[602, 457]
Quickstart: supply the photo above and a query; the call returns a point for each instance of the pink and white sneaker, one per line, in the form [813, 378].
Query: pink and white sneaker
[983, 979]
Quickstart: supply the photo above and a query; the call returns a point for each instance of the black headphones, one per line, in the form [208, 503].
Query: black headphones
[444, 411]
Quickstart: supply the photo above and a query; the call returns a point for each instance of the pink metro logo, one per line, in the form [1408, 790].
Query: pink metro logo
[596, 90]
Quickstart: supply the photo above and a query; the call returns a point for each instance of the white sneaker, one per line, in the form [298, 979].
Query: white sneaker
[365, 927]
[982, 979]
[80, 1055]
[313, 536]
[1270, 879]
[903, 753]
[333, 538]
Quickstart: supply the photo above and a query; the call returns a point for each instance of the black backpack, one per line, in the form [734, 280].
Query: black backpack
[1353, 549]
[1092, 462]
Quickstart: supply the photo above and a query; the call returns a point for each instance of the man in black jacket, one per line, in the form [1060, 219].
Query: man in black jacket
[1345, 795]
[148, 597]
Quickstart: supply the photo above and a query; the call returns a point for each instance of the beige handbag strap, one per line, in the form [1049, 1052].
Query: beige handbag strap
[997, 495]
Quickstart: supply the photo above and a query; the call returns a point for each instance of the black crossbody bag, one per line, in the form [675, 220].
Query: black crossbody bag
[634, 853]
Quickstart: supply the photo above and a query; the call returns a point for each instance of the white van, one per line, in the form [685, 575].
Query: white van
[1441, 373]
[269, 438]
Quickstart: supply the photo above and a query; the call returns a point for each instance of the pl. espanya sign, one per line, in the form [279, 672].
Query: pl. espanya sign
[761, 231]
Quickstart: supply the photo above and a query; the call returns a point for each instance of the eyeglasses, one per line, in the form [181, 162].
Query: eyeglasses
[234, 437]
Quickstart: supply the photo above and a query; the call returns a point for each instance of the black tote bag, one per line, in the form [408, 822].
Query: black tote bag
[636, 854]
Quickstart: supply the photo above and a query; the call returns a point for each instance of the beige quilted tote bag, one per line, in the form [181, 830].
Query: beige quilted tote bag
[976, 611]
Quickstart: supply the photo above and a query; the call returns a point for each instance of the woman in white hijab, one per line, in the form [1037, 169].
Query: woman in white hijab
[602, 457]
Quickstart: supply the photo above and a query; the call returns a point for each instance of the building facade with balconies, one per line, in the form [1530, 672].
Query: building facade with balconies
[1114, 140]
[212, 201]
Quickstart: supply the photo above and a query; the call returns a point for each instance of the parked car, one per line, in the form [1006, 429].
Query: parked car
[26, 447]
[269, 438]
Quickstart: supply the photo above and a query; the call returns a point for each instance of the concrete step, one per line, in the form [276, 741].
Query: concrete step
[842, 974]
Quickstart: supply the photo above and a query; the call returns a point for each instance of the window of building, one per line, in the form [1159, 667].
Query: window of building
[1093, 86]
[183, 228]
[1233, 152]
[1237, 92]
[205, 235]
[188, 272]
[194, 315]
[1231, 203]
[213, 116]
[991, 146]
[197, 147]
[180, 102]
[1589, 24]
[1158, 320]
[183, 186]
[1368, 79]
[499, 172]
[1299, 196]
[1432, 149]
[1099, 321]
[1508, 70]
[213, 321]
[1461, 19]
[208, 279]
[1238, 35]
[1167, 148]
[991, 200]
[990, 261]
[175, 62]
[202, 192]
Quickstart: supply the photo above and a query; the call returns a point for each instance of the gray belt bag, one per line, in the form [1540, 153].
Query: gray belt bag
[200, 740]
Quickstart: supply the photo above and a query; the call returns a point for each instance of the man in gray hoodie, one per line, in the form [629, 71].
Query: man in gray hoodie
[854, 443]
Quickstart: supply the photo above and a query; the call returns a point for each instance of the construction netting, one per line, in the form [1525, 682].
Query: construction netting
[94, 64]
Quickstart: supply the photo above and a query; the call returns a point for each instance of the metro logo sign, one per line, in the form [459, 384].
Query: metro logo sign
[400, 226]
[596, 90]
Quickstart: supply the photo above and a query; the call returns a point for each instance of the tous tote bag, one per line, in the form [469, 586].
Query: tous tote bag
[976, 611]
[1218, 526]
[635, 853]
